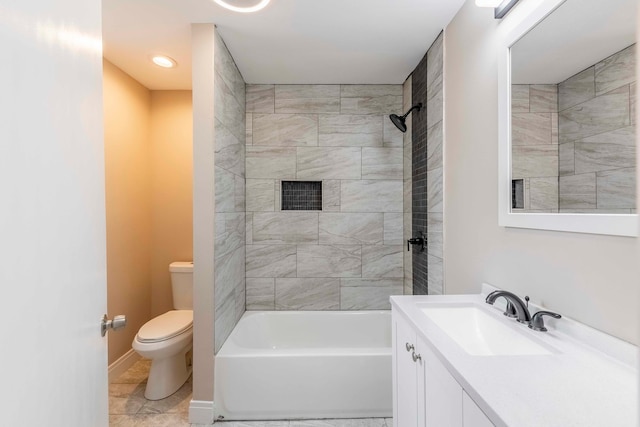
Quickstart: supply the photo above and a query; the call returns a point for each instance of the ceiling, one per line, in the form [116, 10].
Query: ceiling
[572, 38]
[290, 41]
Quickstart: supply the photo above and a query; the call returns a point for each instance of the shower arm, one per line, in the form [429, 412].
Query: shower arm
[418, 106]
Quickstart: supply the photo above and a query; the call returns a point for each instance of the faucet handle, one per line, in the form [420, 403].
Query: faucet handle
[537, 323]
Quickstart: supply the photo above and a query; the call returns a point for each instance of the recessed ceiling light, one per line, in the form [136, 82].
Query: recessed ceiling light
[243, 5]
[488, 3]
[164, 61]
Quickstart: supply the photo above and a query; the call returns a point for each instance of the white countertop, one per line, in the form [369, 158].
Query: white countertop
[577, 385]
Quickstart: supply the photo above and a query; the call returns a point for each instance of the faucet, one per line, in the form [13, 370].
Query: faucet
[521, 310]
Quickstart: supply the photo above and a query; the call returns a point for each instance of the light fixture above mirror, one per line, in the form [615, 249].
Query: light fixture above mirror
[243, 6]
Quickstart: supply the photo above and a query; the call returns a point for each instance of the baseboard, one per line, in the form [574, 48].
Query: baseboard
[201, 412]
[125, 361]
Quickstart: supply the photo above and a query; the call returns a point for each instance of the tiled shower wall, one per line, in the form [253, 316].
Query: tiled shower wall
[229, 253]
[348, 256]
[574, 143]
[597, 137]
[427, 167]
[534, 123]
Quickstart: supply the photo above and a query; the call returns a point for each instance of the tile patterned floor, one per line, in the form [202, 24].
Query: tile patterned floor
[129, 408]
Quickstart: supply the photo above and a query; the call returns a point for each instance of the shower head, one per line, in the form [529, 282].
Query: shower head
[400, 121]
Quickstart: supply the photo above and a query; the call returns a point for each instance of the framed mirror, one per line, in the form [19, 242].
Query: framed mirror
[567, 119]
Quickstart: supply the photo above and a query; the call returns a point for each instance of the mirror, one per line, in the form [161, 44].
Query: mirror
[567, 116]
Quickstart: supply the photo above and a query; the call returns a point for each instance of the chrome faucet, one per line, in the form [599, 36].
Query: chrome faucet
[513, 302]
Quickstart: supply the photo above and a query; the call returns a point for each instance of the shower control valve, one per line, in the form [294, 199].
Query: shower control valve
[420, 240]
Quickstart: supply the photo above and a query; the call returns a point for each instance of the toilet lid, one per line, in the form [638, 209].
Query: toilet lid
[166, 326]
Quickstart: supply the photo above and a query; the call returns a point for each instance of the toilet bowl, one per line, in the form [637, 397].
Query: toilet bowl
[168, 339]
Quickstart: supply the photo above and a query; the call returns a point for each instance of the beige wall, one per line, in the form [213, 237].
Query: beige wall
[128, 204]
[171, 190]
[593, 279]
[148, 163]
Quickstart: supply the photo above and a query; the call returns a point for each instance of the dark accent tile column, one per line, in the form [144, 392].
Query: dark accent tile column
[419, 175]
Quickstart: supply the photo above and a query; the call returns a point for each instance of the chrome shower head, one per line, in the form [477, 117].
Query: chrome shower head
[400, 121]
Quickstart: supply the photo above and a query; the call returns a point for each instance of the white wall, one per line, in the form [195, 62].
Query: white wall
[594, 279]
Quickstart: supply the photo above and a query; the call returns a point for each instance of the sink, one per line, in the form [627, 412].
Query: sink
[481, 334]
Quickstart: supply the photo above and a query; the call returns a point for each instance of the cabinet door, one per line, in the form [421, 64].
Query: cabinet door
[472, 415]
[405, 371]
[442, 393]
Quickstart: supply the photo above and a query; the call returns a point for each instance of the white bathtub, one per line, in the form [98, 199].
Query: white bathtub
[305, 364]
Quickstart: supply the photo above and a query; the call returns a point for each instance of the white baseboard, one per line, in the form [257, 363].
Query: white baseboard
[126, 361]
[201, 412]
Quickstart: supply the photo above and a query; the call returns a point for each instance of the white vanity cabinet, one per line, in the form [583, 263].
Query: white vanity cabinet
[425, 393]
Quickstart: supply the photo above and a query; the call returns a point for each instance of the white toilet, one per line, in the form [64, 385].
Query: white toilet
[168, 339]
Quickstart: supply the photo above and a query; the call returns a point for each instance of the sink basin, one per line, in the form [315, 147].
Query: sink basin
[481, 334]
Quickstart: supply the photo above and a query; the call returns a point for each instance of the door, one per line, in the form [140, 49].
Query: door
[53, 360]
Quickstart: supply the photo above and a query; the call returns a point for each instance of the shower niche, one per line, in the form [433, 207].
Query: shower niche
[301, 195]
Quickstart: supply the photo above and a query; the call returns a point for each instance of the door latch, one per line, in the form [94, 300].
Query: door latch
[117, 323]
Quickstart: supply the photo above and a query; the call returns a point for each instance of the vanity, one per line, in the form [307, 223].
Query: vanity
[458, 361]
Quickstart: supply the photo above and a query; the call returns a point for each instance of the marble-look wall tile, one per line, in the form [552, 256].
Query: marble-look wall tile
[329, 163]
[382, 261]
[260, 195]
[291, 130]
[226, 67]
[406, 201]
[434, 147]
[308, 294]
[406, 94]
[271, 162]
[371, 196]
[615, 71]
[393, 228]
[392, 136]
[567, 161]
[519, 98]
[331, 195]
[370, 283]
[228, 109]
[543, 193]
[367, 91]
[271, 261]
[229, 150]
[595, 157]
[602, 114]
[577, 89]
[534, 161]
[285, 227]
[307, 99]
[434, 190]
[531, 128]
[249, 228]
[435, 275]
[616, 189]
[240, 196]
[578, 191]
[351, 228]
[249, 129]
[348, 130]
[435, 244]
[632, 102]
[381, 163]
[370, 99]
[622, 136]
[435, 109]
[225, 190]
[543, 99]
[329, 260]
[261, 293]
[261, 99]
[368, 297]
[435, 67]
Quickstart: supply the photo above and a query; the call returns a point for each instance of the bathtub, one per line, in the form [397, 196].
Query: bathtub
[305, 364]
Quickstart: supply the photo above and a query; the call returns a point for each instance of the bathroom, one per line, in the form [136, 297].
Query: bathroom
[379, 188]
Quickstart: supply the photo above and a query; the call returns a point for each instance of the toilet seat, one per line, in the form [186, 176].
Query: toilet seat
[166, 326]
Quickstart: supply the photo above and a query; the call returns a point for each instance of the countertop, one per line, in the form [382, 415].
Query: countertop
[576, 385]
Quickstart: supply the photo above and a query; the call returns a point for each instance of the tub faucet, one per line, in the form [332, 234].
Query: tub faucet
[513, 302]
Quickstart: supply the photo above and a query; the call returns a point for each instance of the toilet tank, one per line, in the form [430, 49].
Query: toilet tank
[182, 285]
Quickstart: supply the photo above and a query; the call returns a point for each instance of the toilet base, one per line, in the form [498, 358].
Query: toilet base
[168, 374]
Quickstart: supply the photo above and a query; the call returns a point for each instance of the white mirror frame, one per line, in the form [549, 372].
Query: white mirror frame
[617, 225]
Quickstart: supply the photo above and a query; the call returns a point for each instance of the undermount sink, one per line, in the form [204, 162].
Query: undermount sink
[481, 334]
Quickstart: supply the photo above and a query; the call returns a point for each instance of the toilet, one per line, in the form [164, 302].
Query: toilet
[168, 339]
